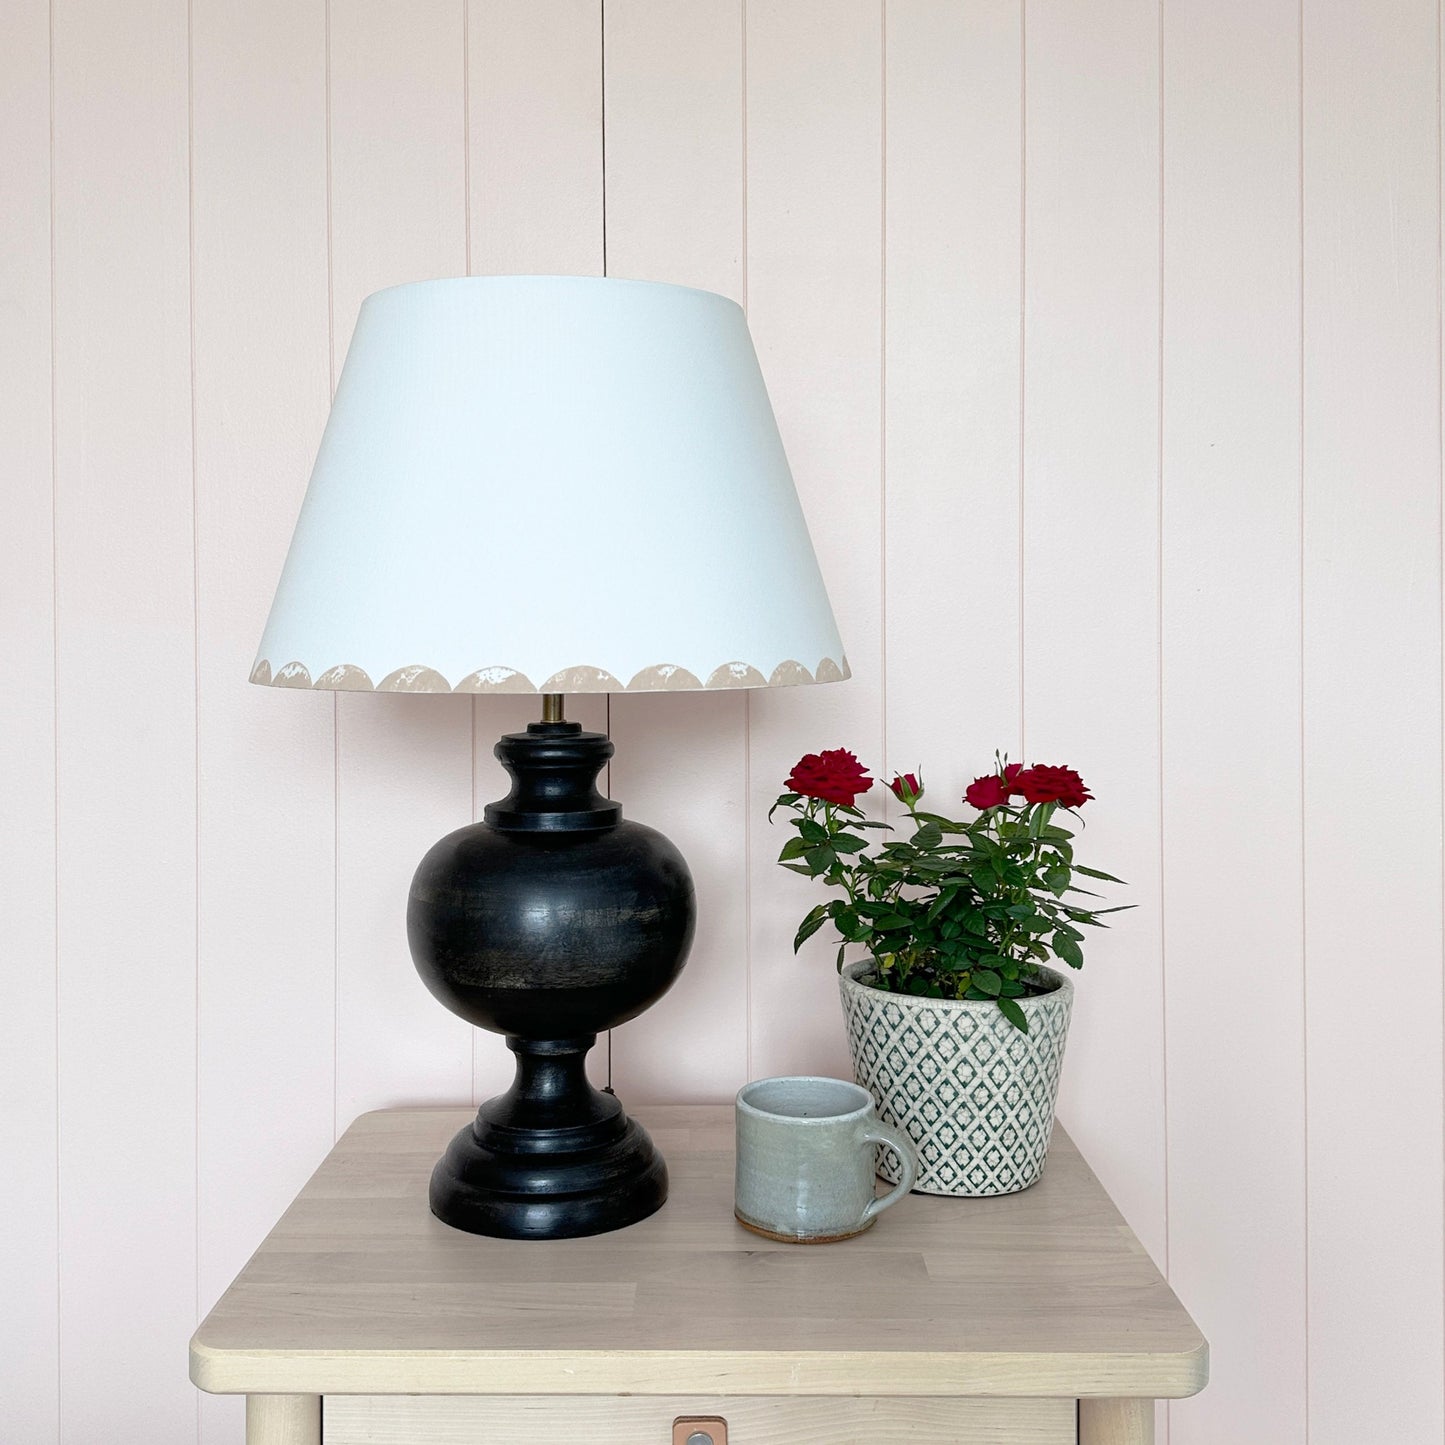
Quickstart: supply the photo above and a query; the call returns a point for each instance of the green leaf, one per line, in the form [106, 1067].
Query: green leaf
[820, 859]
[1014, 1014]
[809, 926]
[941, 902]
[813, 832]
[1068, 950]
[988, 981]
[946, 825]
[1040, 819]
[1094, 873]
[1056, 879]
[800, 868]
[986, 879]
[793, 848]
[929, 835]
[847, 843]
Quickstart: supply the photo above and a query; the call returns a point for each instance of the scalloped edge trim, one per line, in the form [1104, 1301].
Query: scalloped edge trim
[663, 677]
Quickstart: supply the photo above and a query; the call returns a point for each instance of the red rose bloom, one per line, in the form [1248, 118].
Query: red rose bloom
[906, 787]
[1042, 784]
[1010, 776]
[835, 776]
[989, 791]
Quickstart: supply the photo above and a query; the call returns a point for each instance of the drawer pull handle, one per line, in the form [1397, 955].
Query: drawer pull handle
[699, 1430]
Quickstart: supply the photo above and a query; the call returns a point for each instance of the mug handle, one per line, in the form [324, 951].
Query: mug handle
[876, 1131]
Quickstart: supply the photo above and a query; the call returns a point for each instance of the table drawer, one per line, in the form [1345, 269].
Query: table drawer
[648, 1420]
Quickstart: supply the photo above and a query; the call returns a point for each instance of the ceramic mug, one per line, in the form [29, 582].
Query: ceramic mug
[806, 1159]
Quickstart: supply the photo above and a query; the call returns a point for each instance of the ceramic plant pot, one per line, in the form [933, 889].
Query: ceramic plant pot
[974, 1094]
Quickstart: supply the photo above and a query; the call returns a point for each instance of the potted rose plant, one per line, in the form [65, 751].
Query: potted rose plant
[956, 1018]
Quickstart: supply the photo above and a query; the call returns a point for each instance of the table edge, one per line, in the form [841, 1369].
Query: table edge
[1152, 1375]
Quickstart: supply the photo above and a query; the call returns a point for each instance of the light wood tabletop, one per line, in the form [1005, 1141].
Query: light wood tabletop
[360, 1291]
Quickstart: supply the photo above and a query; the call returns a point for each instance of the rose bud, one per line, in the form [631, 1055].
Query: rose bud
[906, 787]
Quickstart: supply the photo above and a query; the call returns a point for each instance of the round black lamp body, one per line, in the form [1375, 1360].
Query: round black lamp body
[550, 921]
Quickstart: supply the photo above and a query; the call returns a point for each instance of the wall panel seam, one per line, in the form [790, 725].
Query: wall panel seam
[195, 655]
[883, 393]
[335, 697]
[1023, 356]
[54, 698]
[602, 149]
[1303, 803]
[747, 696]
[1440, 489]
[474, 728]
[1159, 667]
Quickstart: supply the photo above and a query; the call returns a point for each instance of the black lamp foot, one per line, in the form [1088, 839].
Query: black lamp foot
[552, 1158]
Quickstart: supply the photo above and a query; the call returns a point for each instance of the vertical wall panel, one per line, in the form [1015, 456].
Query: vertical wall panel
[674, 91]
[1091, 517]
[954, 252]
[267, 866]
[29, 1268]
[1231, 666]
[404, 763]
[1372, 719]
[126, 724]
[536, 137]
[814, 290]
[534, 128]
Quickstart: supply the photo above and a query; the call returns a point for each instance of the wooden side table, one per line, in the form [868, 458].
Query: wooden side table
[1032, 1319]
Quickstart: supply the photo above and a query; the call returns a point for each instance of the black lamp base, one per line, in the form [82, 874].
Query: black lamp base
[550, 920]
[552, 1158]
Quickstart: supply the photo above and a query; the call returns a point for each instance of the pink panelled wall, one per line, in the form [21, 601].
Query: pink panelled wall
[1105, 339]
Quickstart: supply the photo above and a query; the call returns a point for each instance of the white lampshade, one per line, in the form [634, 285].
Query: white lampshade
[550, 484]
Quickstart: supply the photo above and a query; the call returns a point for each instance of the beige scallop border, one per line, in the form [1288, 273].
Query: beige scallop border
[664, 677]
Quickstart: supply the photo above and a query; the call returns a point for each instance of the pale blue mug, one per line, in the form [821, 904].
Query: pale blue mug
[806, 1155]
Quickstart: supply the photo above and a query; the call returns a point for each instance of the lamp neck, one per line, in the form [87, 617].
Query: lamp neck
[552, 707]
[554, 768]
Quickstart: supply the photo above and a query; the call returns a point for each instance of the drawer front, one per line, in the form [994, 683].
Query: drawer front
[648, 1420]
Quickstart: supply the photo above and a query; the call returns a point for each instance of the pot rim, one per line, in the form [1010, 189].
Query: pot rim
[1064, 988]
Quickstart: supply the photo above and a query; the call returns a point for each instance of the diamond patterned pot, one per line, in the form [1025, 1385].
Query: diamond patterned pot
[974, 1093]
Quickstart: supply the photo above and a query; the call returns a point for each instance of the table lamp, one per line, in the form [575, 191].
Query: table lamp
[550, 485]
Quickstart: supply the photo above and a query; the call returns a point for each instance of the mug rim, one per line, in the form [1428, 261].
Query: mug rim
[746, 1106]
